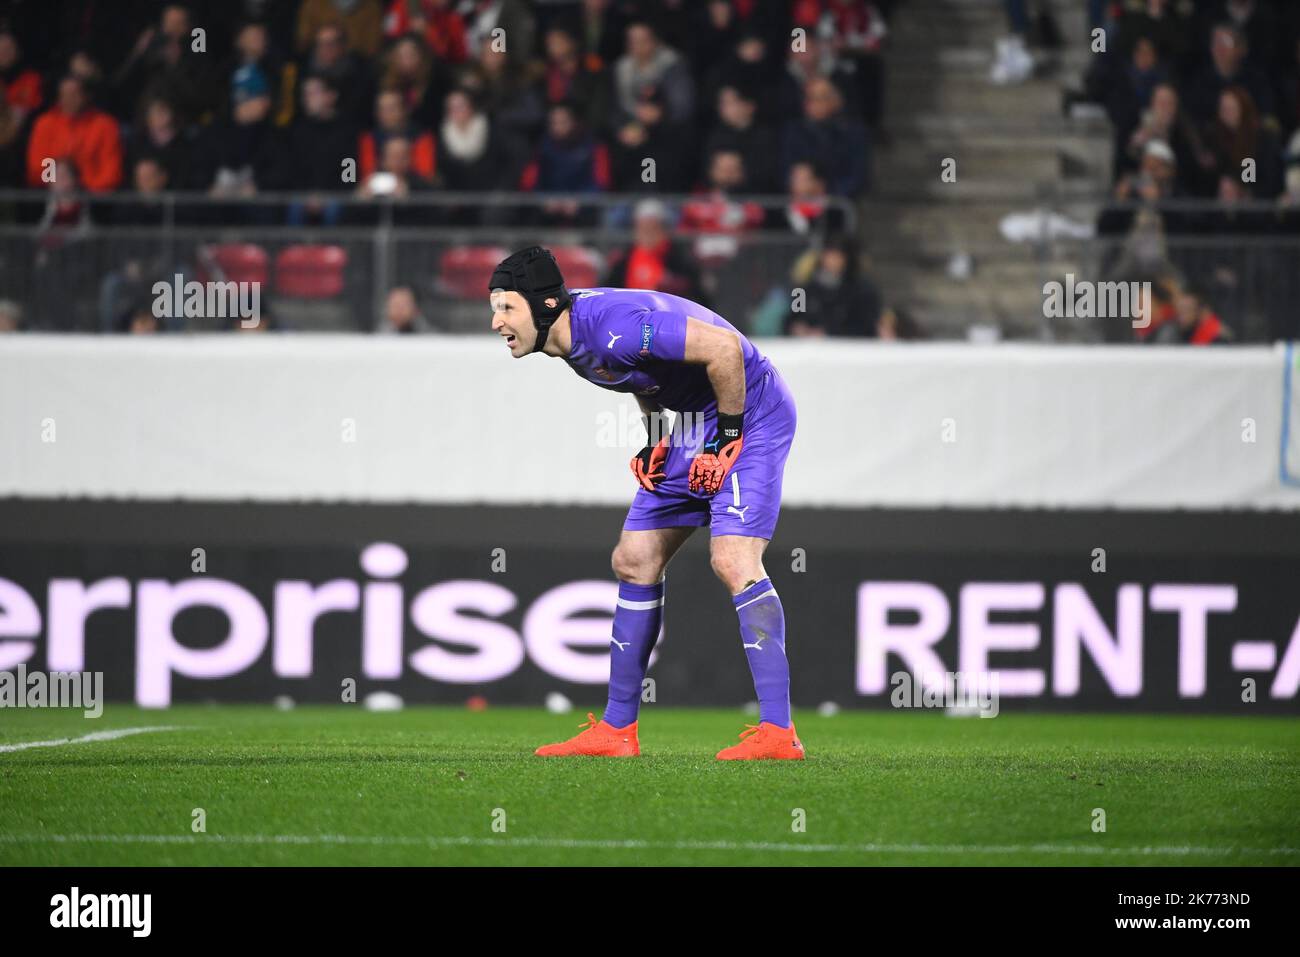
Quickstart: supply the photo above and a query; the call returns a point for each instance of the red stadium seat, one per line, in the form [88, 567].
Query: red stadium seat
[580, 266]
[310, 272]
[464, 271]
[234, 262]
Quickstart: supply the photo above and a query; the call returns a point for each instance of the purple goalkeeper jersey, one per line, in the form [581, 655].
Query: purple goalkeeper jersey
[634, 340]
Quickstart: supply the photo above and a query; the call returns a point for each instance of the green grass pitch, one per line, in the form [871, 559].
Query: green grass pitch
[342, 786]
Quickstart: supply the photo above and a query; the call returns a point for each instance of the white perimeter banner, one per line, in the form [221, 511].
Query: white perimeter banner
[455, 419]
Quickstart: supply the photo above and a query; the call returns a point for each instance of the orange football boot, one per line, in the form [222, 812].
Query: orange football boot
[598, 740]
[765, 741]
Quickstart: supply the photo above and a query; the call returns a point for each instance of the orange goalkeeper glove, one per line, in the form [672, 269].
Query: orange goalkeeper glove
[648, 464]
[709, 469]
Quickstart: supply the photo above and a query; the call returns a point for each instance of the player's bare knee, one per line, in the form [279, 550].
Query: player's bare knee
[635, 567]
[729, 569]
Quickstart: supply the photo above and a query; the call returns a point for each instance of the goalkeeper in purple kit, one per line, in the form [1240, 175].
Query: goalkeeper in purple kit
[672, 354]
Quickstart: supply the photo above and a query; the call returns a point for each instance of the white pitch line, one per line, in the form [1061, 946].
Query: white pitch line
[432, 842]
[84, 739]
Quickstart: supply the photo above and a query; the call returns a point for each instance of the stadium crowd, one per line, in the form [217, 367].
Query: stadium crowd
[354, 101]
[521, 115]
[1204, 99]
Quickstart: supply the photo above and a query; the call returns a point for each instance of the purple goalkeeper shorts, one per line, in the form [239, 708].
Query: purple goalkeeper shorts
[750, 498]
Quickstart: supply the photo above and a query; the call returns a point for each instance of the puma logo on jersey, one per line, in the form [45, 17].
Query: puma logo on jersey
[613, 339]
[622, 645]
[739, 511]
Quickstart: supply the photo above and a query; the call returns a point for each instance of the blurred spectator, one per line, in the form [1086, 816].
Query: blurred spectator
[471, 155]
[568, 160]
[654, 261]
[816, 60]
[1229, 66]
[1289, 85]
[896, 324]
[1259, 23]
[253, 55]
[649, 65]
[737, 131]
[242, 147]
[649, 135]
[601, 31]
[808, 210]
[396, 175]
[12, 161]
[360, 23]
[148, 178]
[402, 313]
[411, 73]
[839, 301]
[157, 136]
[573, 78]
[393, 119]
[73, 131]
[512, 18]
[715, 27]
[314, 151]
[830, 140]
[164, 61]
[331, 57]
[748, 67]
[1166, 23]
[319, 140]
[60, 286]
[1236, 138]
[1290, 197]
[139, 321]
[85, 67]
[855, 32]
[1138, 218]
[11, 316]
[715, 211]
[508, 88]
[1166, 121]
[1195, 323]
[20, 85]
[436, 21]
[1130, 93]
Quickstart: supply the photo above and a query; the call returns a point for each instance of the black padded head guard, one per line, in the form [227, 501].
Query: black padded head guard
[534, 274]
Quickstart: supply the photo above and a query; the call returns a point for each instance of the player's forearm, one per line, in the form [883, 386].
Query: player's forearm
[726, 372]
[653, 418]
[720, 352]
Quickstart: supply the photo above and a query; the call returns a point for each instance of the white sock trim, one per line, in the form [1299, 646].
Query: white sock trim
[640, 605]
[770, 591]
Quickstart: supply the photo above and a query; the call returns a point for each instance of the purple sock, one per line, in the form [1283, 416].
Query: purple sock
[762, 629]
[637, 619]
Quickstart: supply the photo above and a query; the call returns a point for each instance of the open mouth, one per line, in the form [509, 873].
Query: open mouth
[510, 341]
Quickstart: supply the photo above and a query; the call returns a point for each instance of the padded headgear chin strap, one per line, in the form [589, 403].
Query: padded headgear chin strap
[535, 275]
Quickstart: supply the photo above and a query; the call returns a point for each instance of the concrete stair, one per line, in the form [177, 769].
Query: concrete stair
[1014, 151]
